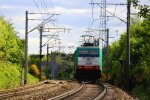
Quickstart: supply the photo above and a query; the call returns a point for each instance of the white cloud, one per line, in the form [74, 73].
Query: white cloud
[33, 41]
[6, 7]
[20, 31]
[17, 7]
[64, 10]
[18, 18]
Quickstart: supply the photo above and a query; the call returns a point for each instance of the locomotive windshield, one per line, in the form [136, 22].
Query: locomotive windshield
[88, 53]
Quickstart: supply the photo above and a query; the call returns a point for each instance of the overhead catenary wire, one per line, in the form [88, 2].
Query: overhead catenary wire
[91, 19]
[45, 4]
[102, 22]
[37, 6]
[40, 27]
[115, 12]
[51, 4]
[42, 8]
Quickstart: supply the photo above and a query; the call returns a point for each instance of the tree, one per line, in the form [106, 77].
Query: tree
[11, 47]
[140, 56]
[34, 70]
[144, 10]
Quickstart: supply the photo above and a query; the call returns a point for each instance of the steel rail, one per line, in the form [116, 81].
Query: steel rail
[100, 96]
[67, 93]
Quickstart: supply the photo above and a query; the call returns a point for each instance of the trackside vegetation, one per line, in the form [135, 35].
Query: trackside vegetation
[11, 57]
[140, 59]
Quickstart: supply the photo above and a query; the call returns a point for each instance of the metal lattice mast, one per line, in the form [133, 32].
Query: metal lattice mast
[102, 32]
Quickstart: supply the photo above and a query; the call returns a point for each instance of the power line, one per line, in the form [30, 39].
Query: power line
[43, 6]
[51, 4]
[36, 5]
[91, 19]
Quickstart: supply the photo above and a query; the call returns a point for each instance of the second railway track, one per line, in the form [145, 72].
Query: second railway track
[15, 94]
[20, 90]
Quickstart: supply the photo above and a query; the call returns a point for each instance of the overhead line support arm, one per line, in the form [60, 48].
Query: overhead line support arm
[43, 23]
[112, 14]
[121, 4]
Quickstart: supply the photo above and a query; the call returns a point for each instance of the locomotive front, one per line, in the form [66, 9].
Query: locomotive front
[88, 64]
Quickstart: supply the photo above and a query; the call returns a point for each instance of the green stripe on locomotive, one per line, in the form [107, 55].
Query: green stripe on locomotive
[100, 58]
[90, 48]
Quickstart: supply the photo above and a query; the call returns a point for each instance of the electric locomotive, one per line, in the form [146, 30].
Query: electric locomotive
[88, 63]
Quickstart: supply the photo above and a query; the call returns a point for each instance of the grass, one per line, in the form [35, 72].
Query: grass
[10, 76]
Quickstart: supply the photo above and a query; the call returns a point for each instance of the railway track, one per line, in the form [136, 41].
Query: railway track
[49, 89]
[86, 91]
[20, 88]
[39, 91]
[7, 94]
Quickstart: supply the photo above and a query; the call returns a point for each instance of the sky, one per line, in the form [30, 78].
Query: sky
[74, 14]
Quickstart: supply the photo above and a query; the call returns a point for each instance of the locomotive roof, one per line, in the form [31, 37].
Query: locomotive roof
[82, 48]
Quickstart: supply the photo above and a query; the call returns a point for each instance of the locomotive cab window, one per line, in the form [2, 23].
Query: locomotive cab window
[88, 53]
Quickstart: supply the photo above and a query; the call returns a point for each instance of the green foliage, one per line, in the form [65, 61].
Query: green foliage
[144, 10]
[10, 76]
[141, 93]
[67, 74]
[140, 58]
[34, 59]
[11, 57]
[11, 47]
[32, 79]
[59, 59]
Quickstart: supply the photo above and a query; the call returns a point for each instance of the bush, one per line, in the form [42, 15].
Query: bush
[34, 70]
[141, 93]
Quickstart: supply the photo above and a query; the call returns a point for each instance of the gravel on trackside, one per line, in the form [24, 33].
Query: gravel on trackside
[49, 90]
[115, 93]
